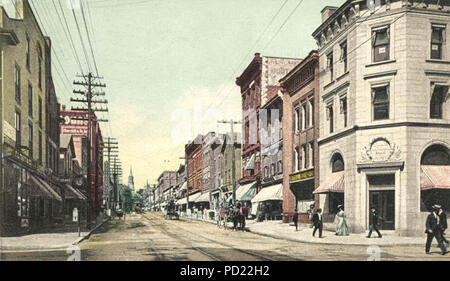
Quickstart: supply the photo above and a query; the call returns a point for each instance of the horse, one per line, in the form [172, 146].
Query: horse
[239, 216]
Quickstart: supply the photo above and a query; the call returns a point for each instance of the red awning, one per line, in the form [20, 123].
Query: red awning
[435, 177]
[335, 183]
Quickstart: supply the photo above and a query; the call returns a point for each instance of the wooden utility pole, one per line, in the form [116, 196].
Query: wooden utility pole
[233, 155]
[88, 94]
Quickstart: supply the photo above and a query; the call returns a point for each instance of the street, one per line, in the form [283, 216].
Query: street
[149, 237]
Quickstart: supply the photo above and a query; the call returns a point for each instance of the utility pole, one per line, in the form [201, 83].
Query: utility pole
[233, 155]
[88, 94]
[111, 150]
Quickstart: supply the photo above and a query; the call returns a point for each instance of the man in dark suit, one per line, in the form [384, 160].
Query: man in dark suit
[295, 218]
[318, 223]
[374, 220]
[442, 222]
[433, 230]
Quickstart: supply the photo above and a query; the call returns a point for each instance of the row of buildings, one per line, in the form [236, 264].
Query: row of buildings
[44, 147]
[362, 121]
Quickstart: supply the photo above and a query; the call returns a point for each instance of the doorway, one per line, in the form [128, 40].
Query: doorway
[382, 197]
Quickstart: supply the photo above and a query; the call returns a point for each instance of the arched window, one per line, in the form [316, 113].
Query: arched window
[337, 163]
[434, 162]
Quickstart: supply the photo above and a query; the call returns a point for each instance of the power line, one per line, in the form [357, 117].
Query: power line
[88, 37]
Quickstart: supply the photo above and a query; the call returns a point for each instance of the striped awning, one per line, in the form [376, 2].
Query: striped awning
[43, 185]
[435, 177]
[72, 193]
[271, 193]
[203, 198]
[246, 192]
[335, 183]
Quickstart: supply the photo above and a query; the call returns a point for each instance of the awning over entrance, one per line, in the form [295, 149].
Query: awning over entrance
[72, 193]
[273, 192]
[194, 197]
[335, 183]
[45, 188]
[435, 177]
[246, 192]
[37, 189]
[181, 201]
[203, 198]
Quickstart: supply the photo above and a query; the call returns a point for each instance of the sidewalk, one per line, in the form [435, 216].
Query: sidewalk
[277, 229]
[45, 241]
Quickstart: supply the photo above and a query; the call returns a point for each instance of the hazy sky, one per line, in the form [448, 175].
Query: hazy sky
[166, 61]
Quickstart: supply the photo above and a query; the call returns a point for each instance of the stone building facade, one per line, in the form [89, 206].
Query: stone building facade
[384, 111]
[300, 134]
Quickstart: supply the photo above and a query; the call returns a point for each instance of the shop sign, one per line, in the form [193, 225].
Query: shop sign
[302, 176]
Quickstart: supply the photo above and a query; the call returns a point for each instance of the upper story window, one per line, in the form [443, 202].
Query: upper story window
[344, 56]
[296, 162]
[304, 157]
[330, 117]
[18, 129]
[311, 154]
[304, 117]
[437, 101]
[380, 102]
[381, 44]
[437, 41]
[296, 120]
[17, 83]
[330, 65]
[30, 100]
[343, 103]
[40, 66]
[311, 112]
[27, 50]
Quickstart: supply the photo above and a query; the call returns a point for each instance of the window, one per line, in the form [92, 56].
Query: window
[30, 138]
[18, 129]
[28, 53]
[40, 111]
[437, 101]
[280, 166]
[39, 66]
[437, 41]
[311, 113]
[330, 117]
[30, 100]
[304, 117]
[296, 163]
[272, 170]
[380, 44]
[344, 110]
[296, 120]
[303, 156]
[344, 56]
[17, 83]
[40, 148]
[337, 163]
[380, 103]
[311, 154]
[330, 65]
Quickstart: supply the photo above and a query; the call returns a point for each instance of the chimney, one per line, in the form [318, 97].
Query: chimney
[327, 12]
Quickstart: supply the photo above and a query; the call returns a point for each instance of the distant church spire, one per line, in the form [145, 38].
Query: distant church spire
[131, 179]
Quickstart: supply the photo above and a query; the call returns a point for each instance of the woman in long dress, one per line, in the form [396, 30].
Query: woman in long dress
[341, 228]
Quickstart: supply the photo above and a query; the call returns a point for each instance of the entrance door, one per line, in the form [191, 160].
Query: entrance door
[384, 202]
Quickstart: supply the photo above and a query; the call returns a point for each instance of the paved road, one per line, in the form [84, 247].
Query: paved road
[151, 238]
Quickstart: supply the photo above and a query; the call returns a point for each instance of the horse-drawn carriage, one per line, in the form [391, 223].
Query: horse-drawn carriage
[235, 214]
[170, 213]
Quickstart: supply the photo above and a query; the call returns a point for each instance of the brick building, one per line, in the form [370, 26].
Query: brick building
[194, 155]
[300, 134]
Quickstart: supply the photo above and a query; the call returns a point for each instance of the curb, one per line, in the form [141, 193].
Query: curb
[81, 239]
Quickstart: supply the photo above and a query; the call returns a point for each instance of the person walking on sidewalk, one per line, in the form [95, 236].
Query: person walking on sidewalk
[442, 223]
[433, 230]
[341, 228]
[318, 223]
[374, 221]
[295, 218]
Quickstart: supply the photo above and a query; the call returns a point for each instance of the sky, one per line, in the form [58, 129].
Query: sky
[170, 65]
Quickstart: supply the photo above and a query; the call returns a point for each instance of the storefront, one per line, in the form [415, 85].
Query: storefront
[302, 185]
[202, 204]
[245, 193]
[268, 203]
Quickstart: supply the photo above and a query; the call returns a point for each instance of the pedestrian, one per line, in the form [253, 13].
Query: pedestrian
[374, 221]
[433, 230]
[341, 228]
[318, 223]
[442, 223]
[295, 218]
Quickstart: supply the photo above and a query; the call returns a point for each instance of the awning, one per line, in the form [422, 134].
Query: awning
[435, 177]
[181, 201]
[335, 183]
[246, 192]
[37, 189]
[194, 197]
[72, 193]
[203, 198]
[184, 186]
[43, 185]
[273, 192]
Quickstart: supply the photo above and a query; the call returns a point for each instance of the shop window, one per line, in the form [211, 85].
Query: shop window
[381, 44]
[437, 101]
[380, 103]
[437, 41]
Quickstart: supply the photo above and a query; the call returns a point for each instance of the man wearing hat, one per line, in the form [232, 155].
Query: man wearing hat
[442, 222]
[374, 220]
[433, 230]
